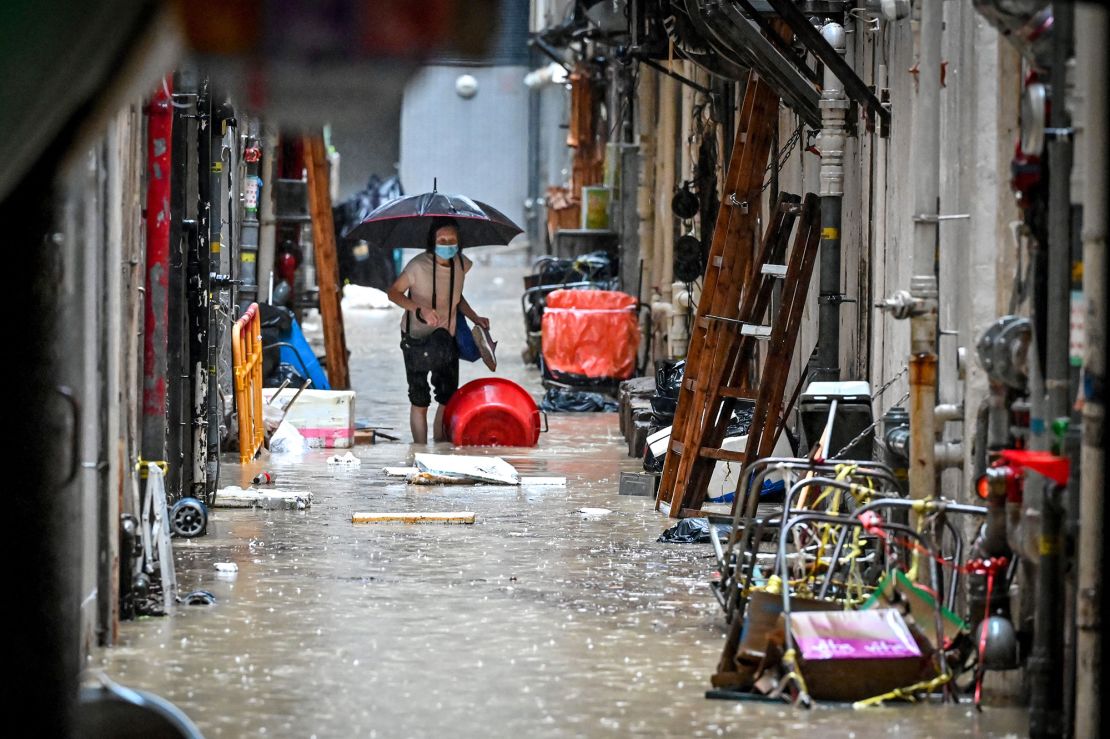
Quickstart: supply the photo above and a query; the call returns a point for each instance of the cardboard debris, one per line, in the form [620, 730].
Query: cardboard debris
[852, 655]
[435, 474]
[270, 498]
[464, 467]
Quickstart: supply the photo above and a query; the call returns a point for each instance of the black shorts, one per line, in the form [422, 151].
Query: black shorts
[444, 378]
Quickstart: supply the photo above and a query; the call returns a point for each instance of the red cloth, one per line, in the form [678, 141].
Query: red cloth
[593, 333]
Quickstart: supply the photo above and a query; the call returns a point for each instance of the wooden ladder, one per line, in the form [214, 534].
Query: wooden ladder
[739, 283]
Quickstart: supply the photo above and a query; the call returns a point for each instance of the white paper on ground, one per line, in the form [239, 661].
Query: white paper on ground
[483, 469]
[362, 297]
[347, 460]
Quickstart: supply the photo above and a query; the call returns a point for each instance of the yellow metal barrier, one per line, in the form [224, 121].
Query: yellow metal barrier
[246, 349]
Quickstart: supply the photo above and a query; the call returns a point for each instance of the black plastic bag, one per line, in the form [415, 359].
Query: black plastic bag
[668, 378]
[741, 420]
[284, 371]
[653, 463]
[560, 400]
[693, 531]
[360, 264]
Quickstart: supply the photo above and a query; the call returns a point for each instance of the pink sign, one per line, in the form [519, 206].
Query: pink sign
[872, 634]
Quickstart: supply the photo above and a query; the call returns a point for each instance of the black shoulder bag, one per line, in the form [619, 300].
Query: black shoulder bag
[438, 348]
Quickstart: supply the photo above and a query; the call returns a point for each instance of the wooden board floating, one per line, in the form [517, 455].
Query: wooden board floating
[442, 517]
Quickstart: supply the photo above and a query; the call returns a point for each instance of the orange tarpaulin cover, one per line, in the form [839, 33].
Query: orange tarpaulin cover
[594, 333]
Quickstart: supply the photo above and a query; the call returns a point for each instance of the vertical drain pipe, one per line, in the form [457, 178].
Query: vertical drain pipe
[1091, 64]
[919, 305]
[830, 142]
[1046, 664]
[923, 284]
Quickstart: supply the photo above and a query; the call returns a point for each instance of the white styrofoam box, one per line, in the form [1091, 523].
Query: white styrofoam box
[726, 475]
[840, 389]
[326, 418]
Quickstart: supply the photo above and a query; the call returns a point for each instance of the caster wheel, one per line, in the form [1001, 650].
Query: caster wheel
[188, 518]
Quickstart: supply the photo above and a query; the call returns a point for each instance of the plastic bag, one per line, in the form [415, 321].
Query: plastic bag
[668, 377]
[272, 415]
[468, 350]
[693, 531]
[287, 440]
[557, 400]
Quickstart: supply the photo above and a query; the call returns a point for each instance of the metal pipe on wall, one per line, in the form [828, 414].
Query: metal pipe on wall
[830, 142]
[1046, 664]
[1091, 29]
[645, 202]
[666, 141]
[923, 285]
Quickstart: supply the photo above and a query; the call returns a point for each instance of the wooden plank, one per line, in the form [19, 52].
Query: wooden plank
[722, 455]
[327, 262]
[736, 393]
[425, 517]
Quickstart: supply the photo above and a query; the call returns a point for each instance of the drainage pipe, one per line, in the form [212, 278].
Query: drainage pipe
[830, 142]
[1091, 68]
[1046, 665]
[923, 284]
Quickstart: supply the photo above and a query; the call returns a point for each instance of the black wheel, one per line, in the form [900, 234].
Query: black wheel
[188, 518]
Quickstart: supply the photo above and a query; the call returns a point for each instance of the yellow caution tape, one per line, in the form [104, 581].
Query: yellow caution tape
[906, 692]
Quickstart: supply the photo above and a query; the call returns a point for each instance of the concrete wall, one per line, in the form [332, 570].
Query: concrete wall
[978, 125]
[476, 146]
[369, 144]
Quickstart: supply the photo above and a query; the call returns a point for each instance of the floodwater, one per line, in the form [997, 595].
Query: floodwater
[537, 620]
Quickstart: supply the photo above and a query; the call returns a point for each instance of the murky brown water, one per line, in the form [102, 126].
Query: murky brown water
[535, 621]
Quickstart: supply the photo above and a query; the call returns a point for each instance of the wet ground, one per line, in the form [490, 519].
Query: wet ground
[536, 621]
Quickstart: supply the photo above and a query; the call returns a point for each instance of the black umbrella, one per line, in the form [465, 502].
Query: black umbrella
[407, 222]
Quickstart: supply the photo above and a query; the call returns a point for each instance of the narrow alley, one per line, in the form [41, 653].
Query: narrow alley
[538, 620]
[556, 368]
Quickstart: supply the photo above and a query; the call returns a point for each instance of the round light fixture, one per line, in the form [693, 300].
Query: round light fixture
[466, 86]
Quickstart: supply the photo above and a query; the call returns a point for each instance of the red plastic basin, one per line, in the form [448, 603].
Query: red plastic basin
[492, 412]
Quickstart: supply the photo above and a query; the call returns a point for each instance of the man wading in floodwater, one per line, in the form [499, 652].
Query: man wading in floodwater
[433, 282]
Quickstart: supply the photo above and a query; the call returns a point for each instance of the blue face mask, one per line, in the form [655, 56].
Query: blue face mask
[447, 251]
